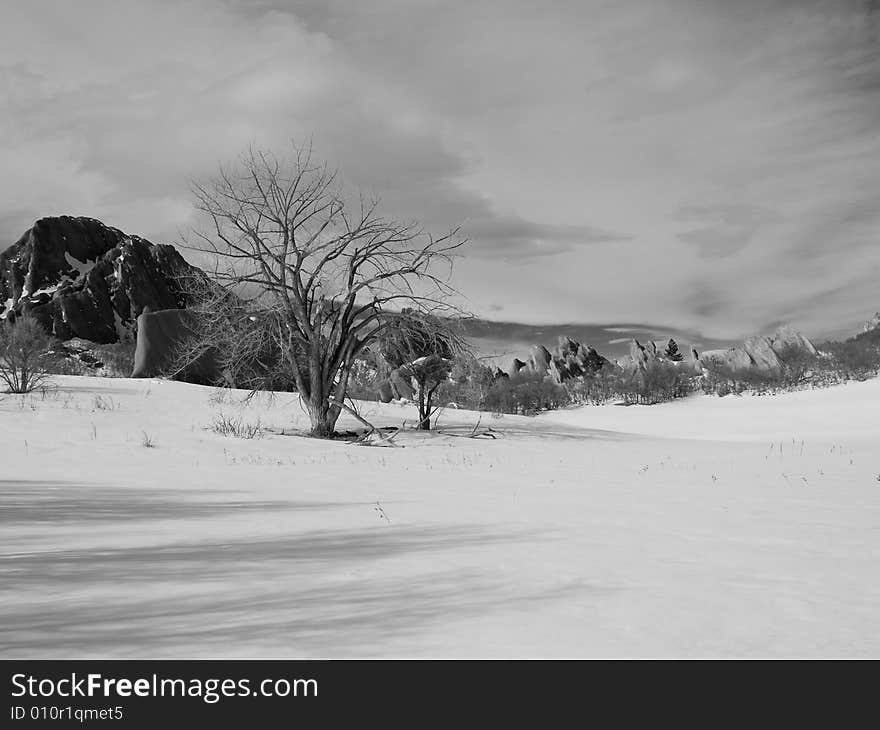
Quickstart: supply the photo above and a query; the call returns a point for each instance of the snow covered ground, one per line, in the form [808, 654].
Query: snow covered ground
[706, 527]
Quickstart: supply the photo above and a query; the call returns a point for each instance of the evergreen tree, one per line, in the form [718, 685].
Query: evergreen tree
[672, 352]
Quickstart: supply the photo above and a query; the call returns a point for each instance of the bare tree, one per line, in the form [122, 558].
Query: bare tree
[326, 272]
[423, 348]
[226, 340]
[23, 347]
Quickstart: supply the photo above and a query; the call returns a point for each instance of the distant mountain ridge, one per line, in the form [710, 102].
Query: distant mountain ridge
[765, 355]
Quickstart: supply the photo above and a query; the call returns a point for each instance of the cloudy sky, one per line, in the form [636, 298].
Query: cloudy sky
[710, 166]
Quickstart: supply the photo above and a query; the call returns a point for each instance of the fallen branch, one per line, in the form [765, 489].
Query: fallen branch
[365, 438]
[475, 433]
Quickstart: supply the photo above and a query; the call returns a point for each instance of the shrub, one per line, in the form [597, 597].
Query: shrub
[363, 379]
[799, 369]
[594, 388]
[58, 362]
[524, 394]
[236, 427]
[103, 403]
[468, 384]
[857, 358]
[23, 347]
[661, 382]
[91, 358]
[117, 358]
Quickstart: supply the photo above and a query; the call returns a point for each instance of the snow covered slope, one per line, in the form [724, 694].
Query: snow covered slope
[731, 527]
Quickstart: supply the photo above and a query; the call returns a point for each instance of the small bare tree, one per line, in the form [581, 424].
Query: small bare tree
[325, 273]
[23, 347]
[422, 348]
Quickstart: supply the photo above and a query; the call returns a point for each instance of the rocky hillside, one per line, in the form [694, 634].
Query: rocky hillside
[569, 359]
[765, 355]
[81, 278]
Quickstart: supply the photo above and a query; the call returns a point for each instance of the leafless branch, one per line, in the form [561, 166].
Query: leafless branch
[329, 275]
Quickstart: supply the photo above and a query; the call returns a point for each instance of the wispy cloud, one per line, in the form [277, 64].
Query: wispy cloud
[712, 165]
[726, 228]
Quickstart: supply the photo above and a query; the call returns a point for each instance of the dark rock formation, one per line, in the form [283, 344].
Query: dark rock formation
[80, 278]
[52, 249]
[572, 359]
[158, 336]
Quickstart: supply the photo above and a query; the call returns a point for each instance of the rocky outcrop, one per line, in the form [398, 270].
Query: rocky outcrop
[80, 278]
[398, 384]
[513, 368]
[642, 358]
[50, 251]
[764, 355]
[787, 340]
[733, 358]
[569, 359]
[159, 334]
[539, 360]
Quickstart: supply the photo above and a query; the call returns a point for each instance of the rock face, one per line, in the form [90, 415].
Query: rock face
[765, 355]
[539, 360]
[733, 358]
[789, 340]
[80, 278]
[158, 335]
[642, 358]
[569, 359]
[513, 367]
[398, 384]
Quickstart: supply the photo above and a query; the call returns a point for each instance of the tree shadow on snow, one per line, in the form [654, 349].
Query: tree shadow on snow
[23, 502]
[319, 593]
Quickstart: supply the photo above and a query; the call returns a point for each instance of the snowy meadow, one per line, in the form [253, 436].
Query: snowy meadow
[150, 518]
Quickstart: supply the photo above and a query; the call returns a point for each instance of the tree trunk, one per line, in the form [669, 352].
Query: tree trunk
[322, 417]
[424, 409]
[424, 421]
